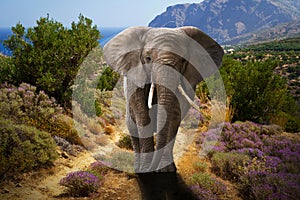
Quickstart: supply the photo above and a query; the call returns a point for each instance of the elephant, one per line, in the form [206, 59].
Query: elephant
[161, 68]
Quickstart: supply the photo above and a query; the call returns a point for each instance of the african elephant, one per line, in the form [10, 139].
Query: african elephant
[161, 68]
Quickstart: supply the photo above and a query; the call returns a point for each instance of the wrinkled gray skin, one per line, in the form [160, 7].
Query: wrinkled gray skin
[162, 57]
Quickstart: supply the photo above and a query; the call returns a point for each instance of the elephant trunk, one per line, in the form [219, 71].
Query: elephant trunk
[168, 118]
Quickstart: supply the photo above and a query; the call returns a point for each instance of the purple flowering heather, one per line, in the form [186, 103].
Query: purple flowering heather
[273, 172]
[266, 185]
[203, 194]
[100, 167]
[81, 183]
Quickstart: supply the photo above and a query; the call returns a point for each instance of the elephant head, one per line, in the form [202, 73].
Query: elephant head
[162, 67]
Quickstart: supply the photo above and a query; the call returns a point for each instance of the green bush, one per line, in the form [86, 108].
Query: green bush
[7, 69]
[64, 127]
[125, 142]
[200, 166]
[229, 165]
[24, 148]
[49, 55]
[293, 124]
[255, 91]
[206, 182]
[108, 79]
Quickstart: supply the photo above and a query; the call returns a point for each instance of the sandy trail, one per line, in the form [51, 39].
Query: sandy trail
[44, 184]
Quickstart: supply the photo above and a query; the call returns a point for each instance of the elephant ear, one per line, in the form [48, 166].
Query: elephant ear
[123, 51]
[205, 56]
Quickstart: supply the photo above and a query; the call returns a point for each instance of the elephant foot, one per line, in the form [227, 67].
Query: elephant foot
[157, 185]
[164, 186]
[168, 168]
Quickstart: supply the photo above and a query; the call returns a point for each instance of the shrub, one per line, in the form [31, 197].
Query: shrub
[108, 79]
[81, 183]
[200, 166]
[64, 127]
[99, 168]
[49, 55]
[24, 148]
[266, 185]
[7, 69]
[204, 194]
[94, 127]
[66, 146]
[261, 95]
[229, 165]
[122, 161]
[207, 183]
[292, 124]
[26, 105]
[125, 142]
[102, 140]
[260, 158]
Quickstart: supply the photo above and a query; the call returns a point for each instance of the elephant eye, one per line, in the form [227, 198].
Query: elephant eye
[148, 59]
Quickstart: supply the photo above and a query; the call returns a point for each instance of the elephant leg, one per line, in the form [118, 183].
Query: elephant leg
[165, 144]
[132, 128]
[167, 160]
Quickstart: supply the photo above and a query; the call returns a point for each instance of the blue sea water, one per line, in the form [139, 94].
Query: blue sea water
[106, 33]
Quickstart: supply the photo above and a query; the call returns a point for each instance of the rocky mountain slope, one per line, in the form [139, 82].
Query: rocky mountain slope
[226, 19]
[279, 32]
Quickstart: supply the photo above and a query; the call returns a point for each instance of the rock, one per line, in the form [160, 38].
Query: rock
[5, 191]
[64, 155]
[18, 185]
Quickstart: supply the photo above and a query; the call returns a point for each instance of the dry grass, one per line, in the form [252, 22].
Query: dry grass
[101, 140]
[109, 129]
[94, 127]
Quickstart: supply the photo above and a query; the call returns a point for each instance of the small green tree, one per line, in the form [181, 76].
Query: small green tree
[256, 92]
[49, 54]
[7, 69]
[108, 79]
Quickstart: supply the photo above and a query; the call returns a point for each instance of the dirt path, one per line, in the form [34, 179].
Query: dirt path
[44, 184]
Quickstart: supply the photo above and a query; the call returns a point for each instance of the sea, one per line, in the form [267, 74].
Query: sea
[106, 33]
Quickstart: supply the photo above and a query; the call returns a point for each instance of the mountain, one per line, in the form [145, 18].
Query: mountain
[226, 19]
[279, 32]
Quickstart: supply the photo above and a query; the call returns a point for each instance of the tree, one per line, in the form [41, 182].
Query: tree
[108, 79]
[256, 92]
[49, 54]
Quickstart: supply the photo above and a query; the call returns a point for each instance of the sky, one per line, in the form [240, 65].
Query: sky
[104, 13]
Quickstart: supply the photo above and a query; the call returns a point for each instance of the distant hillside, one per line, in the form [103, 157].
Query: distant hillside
[227, 19]
[285, 51]
[281, 31]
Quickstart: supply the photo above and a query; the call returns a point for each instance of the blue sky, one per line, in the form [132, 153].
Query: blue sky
[104, 13]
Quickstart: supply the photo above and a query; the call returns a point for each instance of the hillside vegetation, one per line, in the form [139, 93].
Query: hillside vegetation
[286, 52]
[254, 157]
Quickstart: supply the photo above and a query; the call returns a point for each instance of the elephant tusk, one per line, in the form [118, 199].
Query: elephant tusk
[191, 102]
[150, 97]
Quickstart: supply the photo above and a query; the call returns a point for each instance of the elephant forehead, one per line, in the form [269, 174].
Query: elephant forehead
[166, 39]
